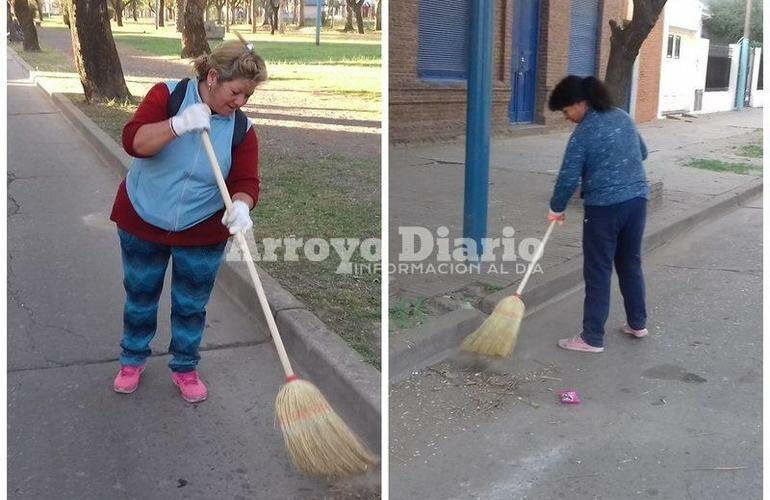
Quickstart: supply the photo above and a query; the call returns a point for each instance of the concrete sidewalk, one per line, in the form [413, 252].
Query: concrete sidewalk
[426, 190]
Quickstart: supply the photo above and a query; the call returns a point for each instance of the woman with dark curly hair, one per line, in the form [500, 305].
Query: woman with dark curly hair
[604, 155]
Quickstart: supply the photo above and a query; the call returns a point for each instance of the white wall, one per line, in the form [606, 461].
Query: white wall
[679, 78]
[701, 63]
[755, 99]
[725, 100]
[684, 14]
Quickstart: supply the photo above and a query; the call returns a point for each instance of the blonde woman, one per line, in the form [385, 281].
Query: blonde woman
[169, 206]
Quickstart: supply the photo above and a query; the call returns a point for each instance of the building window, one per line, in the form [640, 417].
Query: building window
[674, 44]
[443, 32]
[718, 68]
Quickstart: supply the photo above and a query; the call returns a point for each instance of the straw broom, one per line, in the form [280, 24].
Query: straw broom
[498, 333]
[319, 442]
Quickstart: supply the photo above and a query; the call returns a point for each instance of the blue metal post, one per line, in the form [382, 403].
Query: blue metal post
[478, 122]
[743, 64]
[319, 8]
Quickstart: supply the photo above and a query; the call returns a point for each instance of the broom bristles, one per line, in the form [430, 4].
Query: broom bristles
[319, 442]
[498, 333]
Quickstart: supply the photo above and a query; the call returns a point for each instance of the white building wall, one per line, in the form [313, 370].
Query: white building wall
[681, 77]
[684, 14]
[755, 99]
[724, 100]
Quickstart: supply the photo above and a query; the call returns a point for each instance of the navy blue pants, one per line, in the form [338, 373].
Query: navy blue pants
[193, 272]
[613, 234]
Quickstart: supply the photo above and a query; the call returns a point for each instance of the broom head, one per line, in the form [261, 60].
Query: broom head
[498, 333]
[319, 442]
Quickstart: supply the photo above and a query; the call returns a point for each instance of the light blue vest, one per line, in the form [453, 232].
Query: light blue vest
[176, 189]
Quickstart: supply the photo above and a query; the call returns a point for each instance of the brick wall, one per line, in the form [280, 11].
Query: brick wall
[552, 56]
[648, 86]
[421, 110]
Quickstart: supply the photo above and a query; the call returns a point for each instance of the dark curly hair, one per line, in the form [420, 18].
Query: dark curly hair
[574, 89]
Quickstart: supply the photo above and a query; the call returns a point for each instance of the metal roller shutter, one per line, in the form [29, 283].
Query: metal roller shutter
[443, 39]
[583, 37]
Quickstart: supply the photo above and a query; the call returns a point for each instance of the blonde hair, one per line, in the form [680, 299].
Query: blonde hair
[232, 60]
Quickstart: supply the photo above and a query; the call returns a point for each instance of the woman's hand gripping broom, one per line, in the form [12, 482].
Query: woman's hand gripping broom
[497, 335]
[319, 442]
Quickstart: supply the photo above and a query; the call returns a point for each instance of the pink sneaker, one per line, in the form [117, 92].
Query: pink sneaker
[577, 343]
[636, 333]
[127, 379]
[193, 390]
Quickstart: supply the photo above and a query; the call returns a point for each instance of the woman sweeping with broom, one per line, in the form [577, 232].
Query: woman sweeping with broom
[186, 138]
[169, 206]
[604, 155]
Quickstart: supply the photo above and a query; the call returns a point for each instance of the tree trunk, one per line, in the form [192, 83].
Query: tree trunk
[349, 21]
[23, 14]
[179, 15]
[65, 12]
[134, 8]
[625, 43]
[301, 23]
[356, 7]
[118, 7]
[227, 16]
[161, 11]
[266, 11]
[254, 16]
[194, 41]
[39, 4]
[378, 23]
[96, 58]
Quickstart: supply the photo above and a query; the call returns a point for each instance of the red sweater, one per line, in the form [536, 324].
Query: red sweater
[243, 178]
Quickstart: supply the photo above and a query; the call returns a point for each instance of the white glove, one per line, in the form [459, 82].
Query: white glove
[238, 219]
[196, 117]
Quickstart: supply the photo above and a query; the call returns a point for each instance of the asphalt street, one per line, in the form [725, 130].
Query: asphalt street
[676, 415]
[69, 434]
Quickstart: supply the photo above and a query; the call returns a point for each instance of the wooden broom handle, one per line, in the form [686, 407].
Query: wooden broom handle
[536, 258]
[249, 261]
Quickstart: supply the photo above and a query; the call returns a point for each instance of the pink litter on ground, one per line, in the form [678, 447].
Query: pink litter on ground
[569, 397]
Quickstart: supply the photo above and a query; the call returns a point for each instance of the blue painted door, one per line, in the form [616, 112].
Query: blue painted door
[583, 37]
[524, 64]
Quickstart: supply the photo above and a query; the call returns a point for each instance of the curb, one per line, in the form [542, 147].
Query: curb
[351, 386]
[417, 348]
[412, 350]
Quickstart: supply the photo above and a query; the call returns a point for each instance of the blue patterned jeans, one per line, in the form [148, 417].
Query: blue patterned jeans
[193, 272]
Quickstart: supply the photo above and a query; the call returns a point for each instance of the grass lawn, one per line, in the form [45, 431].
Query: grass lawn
[754, 148]
[723, 166]
[404, 314]
[294, 50]
[330, 197]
